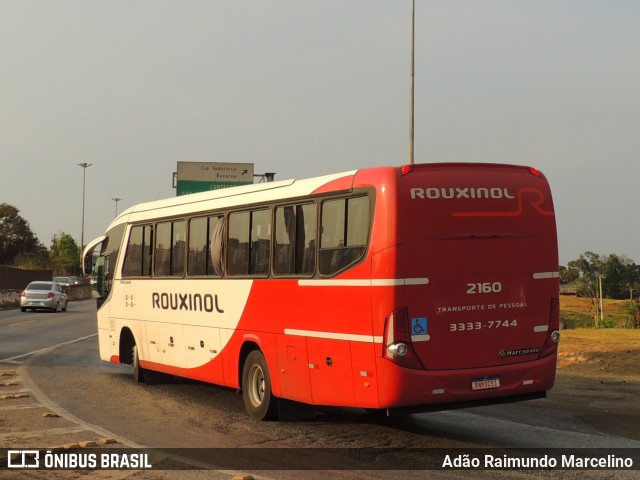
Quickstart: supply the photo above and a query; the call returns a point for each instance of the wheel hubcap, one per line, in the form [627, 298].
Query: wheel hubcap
[256, 385]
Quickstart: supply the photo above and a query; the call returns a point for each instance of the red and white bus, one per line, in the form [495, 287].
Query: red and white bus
[421, 287]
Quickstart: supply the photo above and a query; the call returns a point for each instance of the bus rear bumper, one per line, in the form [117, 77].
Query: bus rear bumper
[433, 390]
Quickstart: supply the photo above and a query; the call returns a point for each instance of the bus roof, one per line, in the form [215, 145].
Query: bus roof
[266, 192]
[226, 197]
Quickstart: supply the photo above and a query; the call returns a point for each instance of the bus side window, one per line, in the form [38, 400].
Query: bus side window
[217, 246]
[249, 246]
[238, 246]
[206, 246]
[198, 246]
[345, 232]
[170, 249]
[295, 240]
[260, 242]
[178, 248]
[137, 260]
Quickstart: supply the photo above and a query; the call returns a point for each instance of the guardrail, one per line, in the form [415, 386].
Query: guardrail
[9, 298]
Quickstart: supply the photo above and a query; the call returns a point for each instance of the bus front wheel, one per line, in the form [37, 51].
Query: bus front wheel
[256, 388]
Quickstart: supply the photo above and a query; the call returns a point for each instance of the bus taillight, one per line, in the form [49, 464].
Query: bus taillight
[535, 171]
[406, 169]
[398, 346]
[553, 336]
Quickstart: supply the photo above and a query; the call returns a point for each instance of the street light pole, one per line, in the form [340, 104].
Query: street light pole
[412, 87]
[84, 178]
[116, 200]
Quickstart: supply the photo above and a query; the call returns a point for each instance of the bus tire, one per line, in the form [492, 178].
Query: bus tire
[256, 388]
[151, 377]
[138, 371]
[376, 412]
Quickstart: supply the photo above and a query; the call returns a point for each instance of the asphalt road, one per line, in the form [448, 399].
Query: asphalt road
[26, 333]
[56, 360]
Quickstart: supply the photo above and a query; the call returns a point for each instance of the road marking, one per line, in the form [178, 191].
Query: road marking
[42, 432]
[15, 359]
[20, 323]
[22, 407]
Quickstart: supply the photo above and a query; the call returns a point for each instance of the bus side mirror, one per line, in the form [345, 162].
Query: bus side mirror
[87, 268]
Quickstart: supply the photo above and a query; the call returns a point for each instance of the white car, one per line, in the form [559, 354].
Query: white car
[67, 281]
[43, 295]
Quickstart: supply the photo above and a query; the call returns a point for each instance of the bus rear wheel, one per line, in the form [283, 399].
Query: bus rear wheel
[256, 388]
[138, 371]
[142, 375]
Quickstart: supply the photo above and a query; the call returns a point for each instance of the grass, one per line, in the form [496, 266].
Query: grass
[576, 313]
[606, 354]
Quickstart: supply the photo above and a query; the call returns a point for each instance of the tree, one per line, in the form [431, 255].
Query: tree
[621, 276]
[590, 268]
[16, 237]
[631, 279]
[568, 275]
[64, 251]
[618, 276]
[37, 259]
[633, 309]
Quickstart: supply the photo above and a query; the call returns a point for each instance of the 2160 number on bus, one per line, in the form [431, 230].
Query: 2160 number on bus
[487, 287]
[462, 327]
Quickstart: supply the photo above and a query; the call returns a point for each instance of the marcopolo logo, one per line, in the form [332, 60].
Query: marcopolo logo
[518, 352]
[434, 193]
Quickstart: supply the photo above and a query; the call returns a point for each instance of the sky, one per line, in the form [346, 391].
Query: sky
[311, 87]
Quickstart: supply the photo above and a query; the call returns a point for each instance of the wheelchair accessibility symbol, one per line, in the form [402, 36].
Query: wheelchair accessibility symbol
[419, 329]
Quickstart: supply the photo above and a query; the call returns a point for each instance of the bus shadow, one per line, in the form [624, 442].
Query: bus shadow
[430, 428]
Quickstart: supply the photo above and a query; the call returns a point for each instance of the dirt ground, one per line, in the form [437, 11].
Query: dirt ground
[599, 370]
[598, 378]
[601, 354]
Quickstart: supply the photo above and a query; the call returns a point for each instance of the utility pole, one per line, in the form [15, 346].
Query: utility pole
[601, 308]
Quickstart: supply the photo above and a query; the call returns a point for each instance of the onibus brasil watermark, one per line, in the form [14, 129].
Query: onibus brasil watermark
[35, 459]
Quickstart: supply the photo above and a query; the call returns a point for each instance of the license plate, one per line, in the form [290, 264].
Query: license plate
[485, 383]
